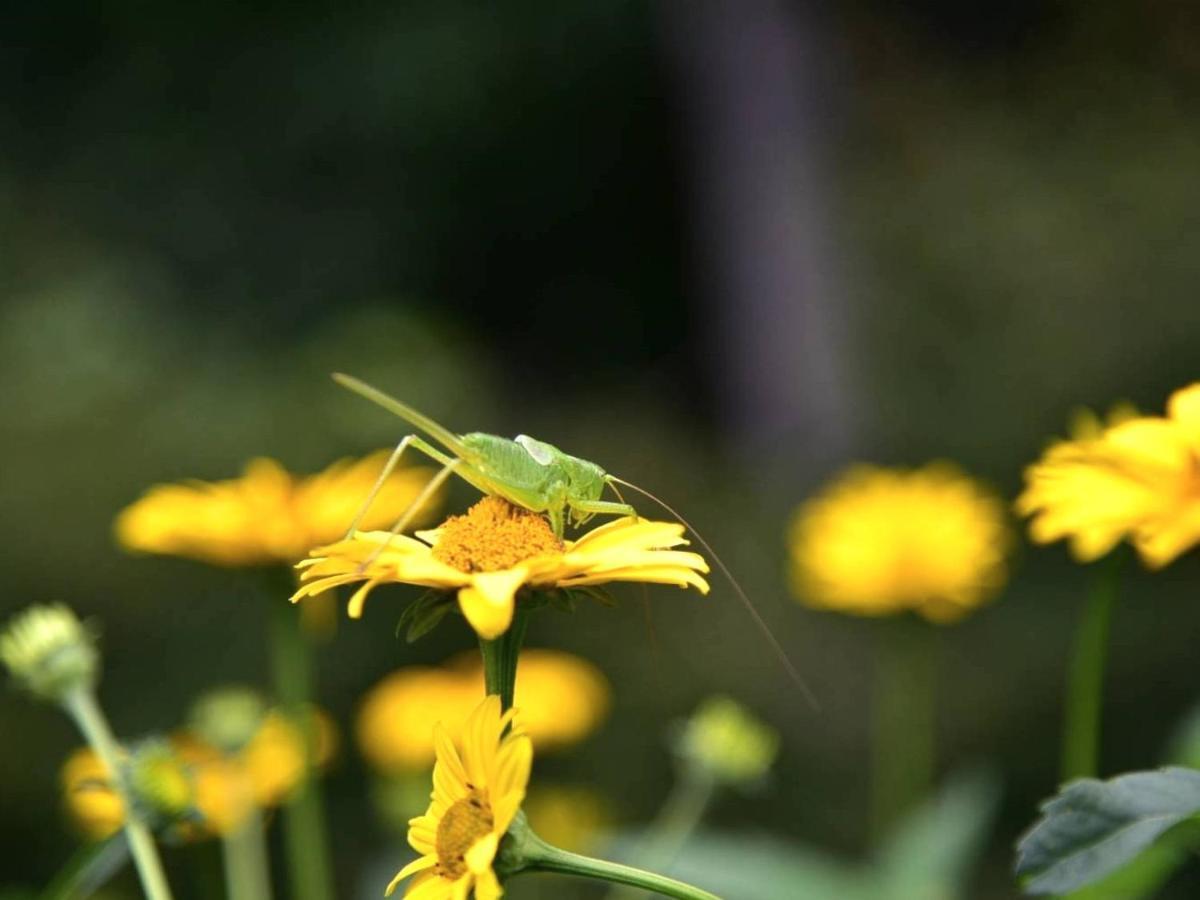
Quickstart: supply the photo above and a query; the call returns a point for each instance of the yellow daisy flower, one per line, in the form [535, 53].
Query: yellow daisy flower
[475, 796]
[267, 515]
[562, 699]
[880, 541]
[1138, 478]
[495, 549]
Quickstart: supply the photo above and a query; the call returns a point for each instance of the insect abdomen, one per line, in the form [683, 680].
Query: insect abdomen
[509, 462]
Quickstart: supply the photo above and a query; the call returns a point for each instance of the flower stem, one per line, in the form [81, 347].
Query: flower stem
[305, 836]
[1085, 678]
[680, 815]
[244, 854]
[542, 857]
[905, 720]
[81, 704]
[500, 658]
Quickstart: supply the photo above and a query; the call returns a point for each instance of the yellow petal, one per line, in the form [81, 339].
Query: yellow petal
[449, 762]
[487, 886]
[1184, 409]
[483, 851]
[488, 602]
[419, 864]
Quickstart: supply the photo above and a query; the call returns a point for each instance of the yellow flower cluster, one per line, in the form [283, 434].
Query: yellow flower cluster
[222, 786]
[494, 550]
[880, 541]
[267, 515]
[562, 699]
[1136, 478]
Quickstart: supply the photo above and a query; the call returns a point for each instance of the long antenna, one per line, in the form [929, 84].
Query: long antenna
[780, 653]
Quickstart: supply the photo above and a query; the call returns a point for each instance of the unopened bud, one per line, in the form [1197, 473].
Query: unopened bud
[725, 740]
[49, 651]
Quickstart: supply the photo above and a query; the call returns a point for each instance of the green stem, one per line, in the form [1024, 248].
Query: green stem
[905, 720]
[500, 657]
[679, 817]
[244, 854]
[1085, 678]
[305, 837]
[542, 857]
[81, 704]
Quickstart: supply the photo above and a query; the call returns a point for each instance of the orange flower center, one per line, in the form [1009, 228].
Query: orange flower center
[465, 822]
[494, 535]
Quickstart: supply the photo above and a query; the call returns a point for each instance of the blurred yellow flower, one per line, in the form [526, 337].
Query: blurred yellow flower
[267, 515]
[1139, 477]
[221, 788]
[880, 541]
[726, 741]
[475, 796]
[571, 816]
[92, 804]
[495, 549]
[562, 698]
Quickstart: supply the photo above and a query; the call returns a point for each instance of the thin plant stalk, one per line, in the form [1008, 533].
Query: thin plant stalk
[500, 657]
[1085, 677]
[678, 819]
[542, 857]
[905, 720]
[306, 839]
[244, 856]
[81, 704]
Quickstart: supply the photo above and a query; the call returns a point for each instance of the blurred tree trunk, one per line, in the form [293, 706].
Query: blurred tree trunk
[754, 90]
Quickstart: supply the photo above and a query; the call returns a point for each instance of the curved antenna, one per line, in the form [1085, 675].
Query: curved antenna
[777, 647]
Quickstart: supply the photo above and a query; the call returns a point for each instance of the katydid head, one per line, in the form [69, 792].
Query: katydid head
[587, 482]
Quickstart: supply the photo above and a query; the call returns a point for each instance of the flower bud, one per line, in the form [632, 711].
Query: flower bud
[49, 651]
[724, 740]
[228, 718]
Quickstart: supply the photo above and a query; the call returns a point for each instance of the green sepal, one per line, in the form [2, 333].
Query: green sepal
[424, 614]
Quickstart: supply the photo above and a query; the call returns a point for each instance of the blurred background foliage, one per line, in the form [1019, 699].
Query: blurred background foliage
[506, 216]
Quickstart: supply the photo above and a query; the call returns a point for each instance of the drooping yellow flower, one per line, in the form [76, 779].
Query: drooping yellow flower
[92, 803]
[495, 549]
[562, 699]
[158, 778]
[880, 541]
[221, 788]
[475, 796]
[267, 515]
[1137, 478]
[261, 774]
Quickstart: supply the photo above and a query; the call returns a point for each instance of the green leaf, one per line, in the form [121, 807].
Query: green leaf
[1092, 828]
[931, 851]
[1146, 874]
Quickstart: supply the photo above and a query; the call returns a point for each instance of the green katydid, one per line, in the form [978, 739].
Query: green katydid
[531, 474]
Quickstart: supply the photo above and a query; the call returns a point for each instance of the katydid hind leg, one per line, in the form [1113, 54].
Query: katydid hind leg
[413, 508]
[388, 468]
[776, 647]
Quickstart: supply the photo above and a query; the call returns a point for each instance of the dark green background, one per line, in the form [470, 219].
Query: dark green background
[491, 211]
